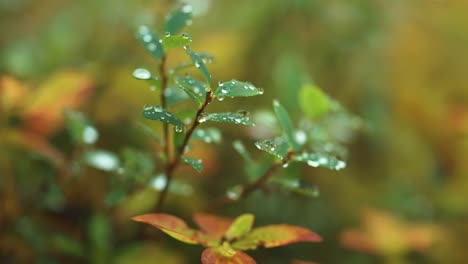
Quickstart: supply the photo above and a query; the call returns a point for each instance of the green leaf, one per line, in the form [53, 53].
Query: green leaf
[275, 236]
[297, 187]
[196, 164]
[174, 96]
[99, 232]
[251, 167]
[67, 245]
[178, 19]
[234, 118]
[159, 114]
[236, 88]
[285, 122]
[151, 42]
[278, 147]
[205, 56]
[144, 74]
[137, 165]
[313, 101]
[173, 226]
[80, 128]
[240, 226]
[178, 139]
[207, 135]
[321, 160]
[199, 64]
[103, 160]
[192, 84]
[242, 150]
[192, 92]
[170, 42]
[114, 197]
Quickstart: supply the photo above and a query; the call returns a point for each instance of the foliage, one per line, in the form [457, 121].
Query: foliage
[225, 239]
[228, 245]
[78, 159]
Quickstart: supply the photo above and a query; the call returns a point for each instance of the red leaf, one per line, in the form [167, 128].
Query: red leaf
[213, 226]
[210, 256]
[275, 236]
[173, 226]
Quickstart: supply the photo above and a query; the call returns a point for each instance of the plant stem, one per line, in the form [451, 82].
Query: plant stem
[172, 165]
[162, 73]
[247, 189]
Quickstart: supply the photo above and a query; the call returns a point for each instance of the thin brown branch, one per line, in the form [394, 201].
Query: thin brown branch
[163, 76]
[172, 165]
[246, 190]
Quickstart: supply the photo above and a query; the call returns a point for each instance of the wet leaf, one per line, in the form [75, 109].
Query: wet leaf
[213, 256]
[213, 226]
[313, 101]
[174, 96]
[196, 164]
[251, 167]
[178, 19]
[151, 42]
[236, 88]
[297, 187]
[142, 74]
[102, 160]
[80, 128]
[234, 118]
[199, 64]
[321, 160]
[278, 147]
[275, 236]
[178, 139]
[160, 114]
[192, 84]
[207, 135]
[189, 91]
[173, 226]
[240, 226]
[240, 148]
[136, 164]
[285, 122]
[170, 42]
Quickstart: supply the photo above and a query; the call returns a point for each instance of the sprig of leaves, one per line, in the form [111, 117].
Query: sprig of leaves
[225, 239]
[200, 92]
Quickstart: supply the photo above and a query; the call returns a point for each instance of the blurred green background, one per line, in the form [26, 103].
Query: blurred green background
[398, 65]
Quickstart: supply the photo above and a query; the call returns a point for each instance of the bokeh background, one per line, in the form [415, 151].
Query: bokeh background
[399, 66]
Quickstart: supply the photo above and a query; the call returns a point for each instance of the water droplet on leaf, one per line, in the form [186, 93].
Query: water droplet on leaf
[187, 9]
[142, 74]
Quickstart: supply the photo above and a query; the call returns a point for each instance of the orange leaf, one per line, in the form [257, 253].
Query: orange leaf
[213, 226]
[211, 256]
[358, 240]
[275, 236]
[43, 112]
[12, 92]
[173, 226]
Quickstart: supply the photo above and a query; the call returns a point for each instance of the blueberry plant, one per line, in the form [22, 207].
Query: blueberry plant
[225, 239]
